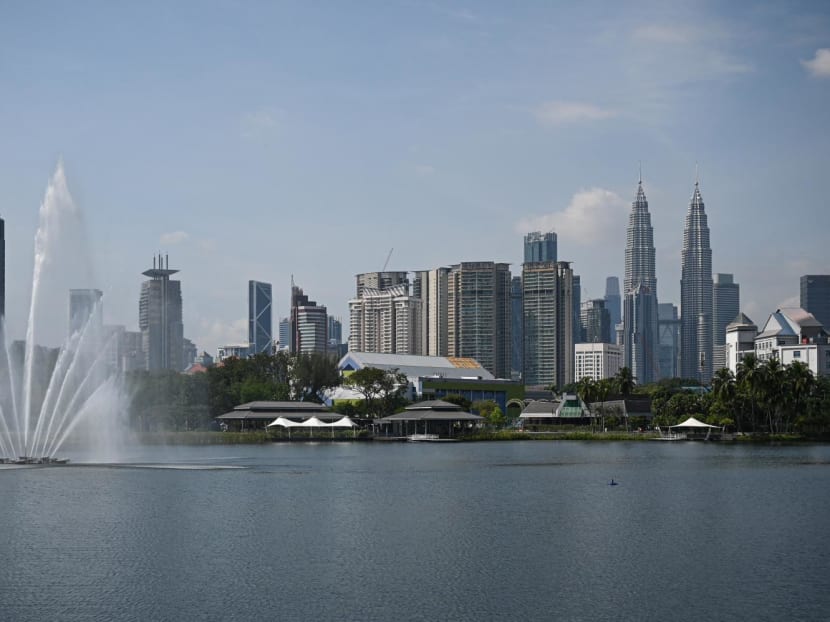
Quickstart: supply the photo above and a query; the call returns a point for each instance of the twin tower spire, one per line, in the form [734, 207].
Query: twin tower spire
[640, 316]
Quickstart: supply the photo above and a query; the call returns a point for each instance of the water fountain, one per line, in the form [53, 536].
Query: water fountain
[51, 395]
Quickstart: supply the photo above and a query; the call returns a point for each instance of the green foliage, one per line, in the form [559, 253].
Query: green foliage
[383, 391]
[490, 410]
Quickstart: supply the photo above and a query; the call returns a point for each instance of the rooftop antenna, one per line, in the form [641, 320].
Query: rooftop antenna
[697, 174]
[388, 257]
[641, 172]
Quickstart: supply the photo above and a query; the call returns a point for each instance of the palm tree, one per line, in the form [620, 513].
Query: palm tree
[748, 381]
[723, 388]
[586, 388]
[800, 383]
[773, 391]
[625, 381]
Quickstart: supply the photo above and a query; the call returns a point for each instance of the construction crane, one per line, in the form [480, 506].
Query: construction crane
[388, 257]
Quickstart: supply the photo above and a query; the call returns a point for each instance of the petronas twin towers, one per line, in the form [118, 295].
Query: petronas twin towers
[640, 321]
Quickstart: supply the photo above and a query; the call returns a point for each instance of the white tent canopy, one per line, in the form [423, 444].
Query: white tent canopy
[313, 422]
[691, 422]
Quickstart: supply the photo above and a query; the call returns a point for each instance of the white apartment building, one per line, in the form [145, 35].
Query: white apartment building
[386, 321]
[597, 360]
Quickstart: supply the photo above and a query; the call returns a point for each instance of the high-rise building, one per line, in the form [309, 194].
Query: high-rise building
[285, 334]
[596, 360]
[815, 296]
[576, 314]
[335, 331]
[478, 314]
[160, 318]
[2, 268]
[309, 324]
[696, 322]
[386, 321]
[380, 280]
[540, 247]
[547, 301]
[516, 327]
[82, 305]
[726, 305]
[260, 335]
[430, 286]
[640, 331]
[668, 321]
[596, 322]
[613, 303]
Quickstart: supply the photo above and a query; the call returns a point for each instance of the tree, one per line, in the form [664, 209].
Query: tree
[380, 388]
[490, 410]
[458, 400]
[311, 374]
[625, 381]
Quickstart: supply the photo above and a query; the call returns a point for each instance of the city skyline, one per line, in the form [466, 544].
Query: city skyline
[493, 122]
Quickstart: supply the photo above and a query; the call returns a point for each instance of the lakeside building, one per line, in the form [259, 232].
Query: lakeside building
[431, 287]
[740, 341]
[668, 349]
[547, 310]
[257, 415]
[696, 287]
[640, 319]
[597, 360]
[793, 334]
[815, 296]
[478, 314]
[308, 324]
[386, 321]
[508, 394]
[160, 318]
[416, 368]
[260, 334]
[726, 305]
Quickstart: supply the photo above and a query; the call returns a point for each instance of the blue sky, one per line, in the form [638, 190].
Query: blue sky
[260, 140]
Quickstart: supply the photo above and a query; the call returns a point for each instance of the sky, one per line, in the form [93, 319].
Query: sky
[258, 141]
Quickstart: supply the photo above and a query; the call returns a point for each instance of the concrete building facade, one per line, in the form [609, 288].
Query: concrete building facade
[160, 318]
[597, 360]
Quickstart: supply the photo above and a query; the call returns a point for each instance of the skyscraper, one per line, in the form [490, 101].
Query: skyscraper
[613, 303]
[726, 305]
[576, 314]
[160, 318]
[309, 324]
[260, 335]
[478, 314]
[516, 326]
[547, 301]
[335, 331]
[540, 247]
[596, 322]
[815, 296]
[430, 287]
[640, 334]
[696, 328]
[380, 280]
[285, 333]
[82, 305]
[669, 349]
[386, 321]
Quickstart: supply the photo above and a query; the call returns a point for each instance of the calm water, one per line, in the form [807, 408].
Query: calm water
[499, 531]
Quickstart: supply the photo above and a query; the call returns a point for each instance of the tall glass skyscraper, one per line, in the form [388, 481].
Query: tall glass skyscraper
[540, 247]
[640, 334]
[815, 296]
[160, 318]
[613, 303]
[696, 326]
[260, 334]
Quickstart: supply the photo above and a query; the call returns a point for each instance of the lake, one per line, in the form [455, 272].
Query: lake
[421, 531]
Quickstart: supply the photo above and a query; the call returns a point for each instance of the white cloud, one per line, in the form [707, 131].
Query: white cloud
[214, 333]
[820, 65]
[593, 216]
[174, 237]
[556, 113]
